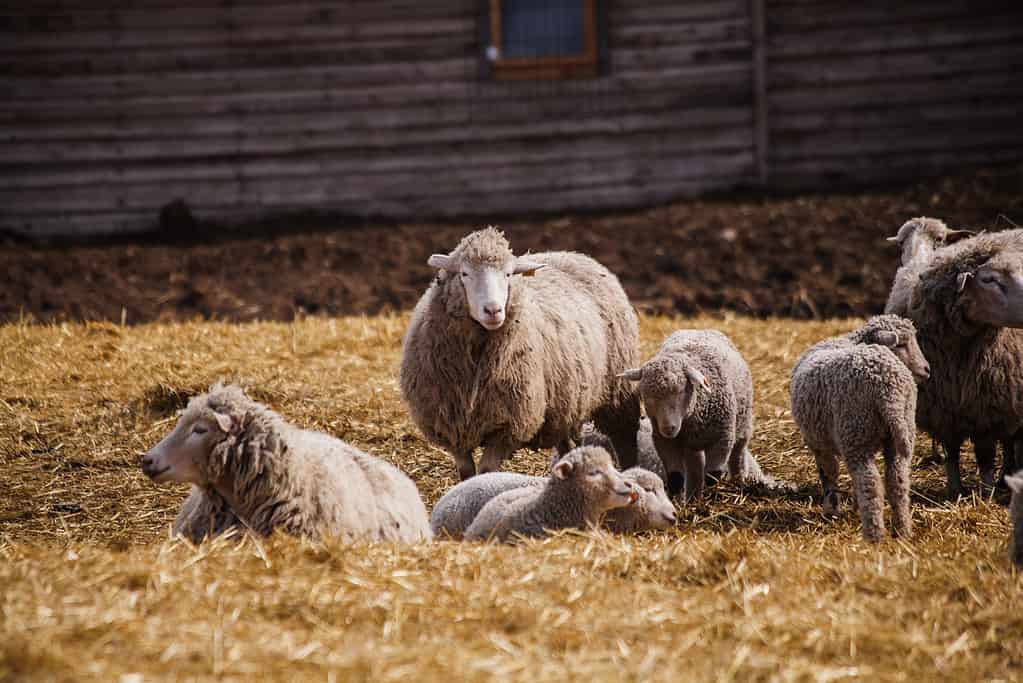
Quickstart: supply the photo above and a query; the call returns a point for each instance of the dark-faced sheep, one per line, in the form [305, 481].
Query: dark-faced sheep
[698, 392]
[505, 352]
[853, 396]
[968, 306]
[269, 475]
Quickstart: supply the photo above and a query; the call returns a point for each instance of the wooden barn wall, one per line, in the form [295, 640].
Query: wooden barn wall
[872, 91]
[241, 108]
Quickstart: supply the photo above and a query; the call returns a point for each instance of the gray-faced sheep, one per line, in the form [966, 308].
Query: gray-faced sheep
[853, 396]
[506, 352]
[582, 486]
[918, 240]
[274, 476]
[967, 305]
[1015, 484]
[698, 392]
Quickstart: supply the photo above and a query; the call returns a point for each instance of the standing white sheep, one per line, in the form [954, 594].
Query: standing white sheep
[582, 486]
[271, 475]
[853, 396]
[505, 352]
[698, 392]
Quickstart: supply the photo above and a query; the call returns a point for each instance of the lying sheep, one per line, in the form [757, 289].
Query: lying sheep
[1015, 484]
[506, 352]
[918, 240]
[582, 486]
[273, 476]
[698, 392]
[203, 516]
[457, 508]
[966, 305]
[854, 395]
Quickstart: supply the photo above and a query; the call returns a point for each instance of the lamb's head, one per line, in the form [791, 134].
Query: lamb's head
[654, 509]
[484, 264]
[991, 292]
[1015, 484]
[591, 470]
[920, 237]
[899, 335]
[668, 385]
[199, 451]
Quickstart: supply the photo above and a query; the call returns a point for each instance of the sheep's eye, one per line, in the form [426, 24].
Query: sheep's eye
[594, 473]
[465, 274]
[199, 429]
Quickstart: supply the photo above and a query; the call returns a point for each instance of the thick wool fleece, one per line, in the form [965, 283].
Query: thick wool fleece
[274, 476]
[554, 364]
[715, 434]
[557, 504]
[853, 397]
[976, 389]
[457, 508]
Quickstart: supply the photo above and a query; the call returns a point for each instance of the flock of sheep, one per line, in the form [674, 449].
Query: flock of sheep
[542, 351]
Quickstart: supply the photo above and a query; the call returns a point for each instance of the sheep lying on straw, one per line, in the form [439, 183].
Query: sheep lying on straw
[247, 461]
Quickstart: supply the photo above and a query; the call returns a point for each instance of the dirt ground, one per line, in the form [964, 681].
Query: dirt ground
[805, 257]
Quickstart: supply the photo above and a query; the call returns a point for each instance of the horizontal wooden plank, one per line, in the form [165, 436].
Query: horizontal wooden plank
[18, 7]
[880, 114]
[788, 18]
[857, 142]
[698, 123]
[324, 190]
[936, 36]
[704, 86]
[633, 35]
[667, 56]
[674, 12]
[893, 91]
[433, 159]
[903, 65]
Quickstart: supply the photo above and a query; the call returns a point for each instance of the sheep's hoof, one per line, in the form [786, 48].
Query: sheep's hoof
[831, 504]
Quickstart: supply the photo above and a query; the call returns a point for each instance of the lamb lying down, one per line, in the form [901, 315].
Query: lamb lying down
[251, 468]
[583, 485]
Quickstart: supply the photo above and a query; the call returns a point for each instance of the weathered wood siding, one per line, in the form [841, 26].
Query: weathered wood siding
[112, 109]
[870, 91]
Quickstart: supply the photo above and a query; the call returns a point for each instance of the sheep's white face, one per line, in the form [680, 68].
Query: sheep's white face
[179, 455]
[656, 508]
[994, 292]
[667, 389]
[595, 474]
[486, 284]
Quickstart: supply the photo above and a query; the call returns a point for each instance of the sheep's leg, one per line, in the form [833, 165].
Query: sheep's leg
[867, 484]
[673, 458]
[827, 470]
[621, 424]
[465, 464]
[495, 453]
[898, 456]
[935, 457]
[1012, 458]
[694, 464]
[738, 467]
[986, 462]
[954, 483]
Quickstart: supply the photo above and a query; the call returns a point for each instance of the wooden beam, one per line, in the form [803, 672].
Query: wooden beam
[760, 123]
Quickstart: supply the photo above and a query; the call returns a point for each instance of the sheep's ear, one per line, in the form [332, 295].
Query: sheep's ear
[697, 378]
[893, 238]
[1015, 482]
[633, 375]
[887, 338]
[224, 422]
[961, 281]
[442, 262]
[523, 266]
[953, 236]
[563, 469]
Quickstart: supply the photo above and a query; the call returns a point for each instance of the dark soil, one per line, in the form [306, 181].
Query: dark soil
[806, 256]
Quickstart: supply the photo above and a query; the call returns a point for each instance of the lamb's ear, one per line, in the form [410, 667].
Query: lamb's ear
[961, 281]
[633, 375]
[224, 422]
[697, 378]
[887, 338]
[563, 469]
[953, 236]
[1015, 482]
[442, 262]
[524, 266]
[893, 238]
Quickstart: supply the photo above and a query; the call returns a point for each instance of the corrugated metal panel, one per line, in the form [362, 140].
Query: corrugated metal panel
[872, 91]
[112, 109]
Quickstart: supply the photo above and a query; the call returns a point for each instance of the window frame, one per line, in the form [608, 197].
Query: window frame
[584, 65]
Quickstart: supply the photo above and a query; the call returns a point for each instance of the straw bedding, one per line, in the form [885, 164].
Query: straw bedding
[749, 586]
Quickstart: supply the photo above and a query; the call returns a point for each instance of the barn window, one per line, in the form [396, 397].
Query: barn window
[542, 39]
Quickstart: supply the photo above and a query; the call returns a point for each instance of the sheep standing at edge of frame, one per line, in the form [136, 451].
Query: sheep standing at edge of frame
[506, 352]
[1015, 484]
[248, 461]
[853, 396]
